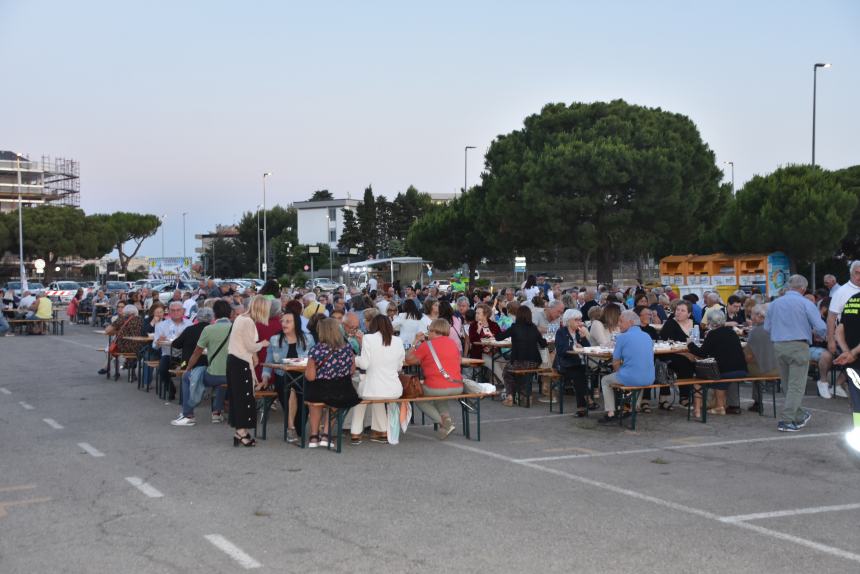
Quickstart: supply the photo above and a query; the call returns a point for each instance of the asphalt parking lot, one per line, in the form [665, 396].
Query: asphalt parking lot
[94, 479]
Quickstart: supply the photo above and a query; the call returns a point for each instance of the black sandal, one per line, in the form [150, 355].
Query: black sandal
[665, 406]
[593, 406]
[244, 440]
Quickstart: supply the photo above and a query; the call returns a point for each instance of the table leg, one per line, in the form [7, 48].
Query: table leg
[704, 404]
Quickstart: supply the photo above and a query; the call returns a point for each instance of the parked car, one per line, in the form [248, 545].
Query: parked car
[324, 283]
[62, 291]
[551, 277]
[443, 285]
[13, 288]
[115, 286]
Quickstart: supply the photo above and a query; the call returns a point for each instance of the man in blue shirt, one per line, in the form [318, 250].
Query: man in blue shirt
[632, 361]
[791, 320]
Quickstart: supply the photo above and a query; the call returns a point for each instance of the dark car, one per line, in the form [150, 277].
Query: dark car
[115, 286]
[552, 277]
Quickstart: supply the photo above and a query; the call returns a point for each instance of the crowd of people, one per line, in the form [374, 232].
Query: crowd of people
[357, 342]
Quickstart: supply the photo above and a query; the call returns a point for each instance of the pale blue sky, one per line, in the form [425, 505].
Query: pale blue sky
[180, 106]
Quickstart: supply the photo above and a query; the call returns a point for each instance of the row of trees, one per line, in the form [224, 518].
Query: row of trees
[379, 226]
[54, 232]
[614, 180]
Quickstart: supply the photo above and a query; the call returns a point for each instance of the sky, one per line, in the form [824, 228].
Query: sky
[180, 106]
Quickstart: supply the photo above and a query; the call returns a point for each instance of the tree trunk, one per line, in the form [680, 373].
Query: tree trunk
[473, 265]
[639, 270]
[604, 263]
[586, 259]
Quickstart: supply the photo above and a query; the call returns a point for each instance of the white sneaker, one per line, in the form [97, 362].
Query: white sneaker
[217, 419]
[841, 392]
[183, 422]
[824, 390]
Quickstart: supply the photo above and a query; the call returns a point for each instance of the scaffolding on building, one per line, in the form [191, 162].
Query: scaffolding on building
[54, 181]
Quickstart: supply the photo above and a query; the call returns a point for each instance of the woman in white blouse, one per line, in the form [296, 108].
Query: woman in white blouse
[411, 322]
[241, 358]
[382, 356]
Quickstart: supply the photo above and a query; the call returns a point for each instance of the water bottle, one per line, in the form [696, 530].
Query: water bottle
[694, 334]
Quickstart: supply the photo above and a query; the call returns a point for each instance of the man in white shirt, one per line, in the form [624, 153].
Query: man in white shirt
[837, 304]
[831, 284]
[25, 304]
[165, 332]
[371, 284]
[189, 305]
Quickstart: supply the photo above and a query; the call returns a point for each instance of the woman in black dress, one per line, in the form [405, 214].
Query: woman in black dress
[724, 345]
[241, 379]
[573, 334]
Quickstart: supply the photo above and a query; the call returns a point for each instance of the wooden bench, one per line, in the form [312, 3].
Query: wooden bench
[57, 325]
[703, 391]
[525, 379]
[466, 410]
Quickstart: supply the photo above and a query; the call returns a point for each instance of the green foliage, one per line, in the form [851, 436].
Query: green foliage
[281, 227]
[798, 209]
[123, 228]
[52, 232]
[849, 179]
[367, 223]
[7, 238]
[625, 169]
[449, 236]
[224, 258]
[350, 237]
[407, 208]
[322, 195]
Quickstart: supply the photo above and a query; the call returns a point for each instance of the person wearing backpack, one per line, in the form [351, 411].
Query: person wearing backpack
[213, 339]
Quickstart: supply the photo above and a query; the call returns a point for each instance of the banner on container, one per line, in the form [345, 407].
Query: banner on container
[170, 268]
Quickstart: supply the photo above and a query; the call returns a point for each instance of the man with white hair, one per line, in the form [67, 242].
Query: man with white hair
[312, 306]
[164, 335]
[712, 303]
[831, 283]
[632, 362]
[791, 321]
[589, 302]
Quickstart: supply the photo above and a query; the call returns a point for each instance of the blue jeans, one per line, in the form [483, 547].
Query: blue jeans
[4, 324]
[216, 381]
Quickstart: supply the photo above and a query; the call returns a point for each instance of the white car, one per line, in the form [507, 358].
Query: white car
[62, 291]
[442, 285]
[324, 283]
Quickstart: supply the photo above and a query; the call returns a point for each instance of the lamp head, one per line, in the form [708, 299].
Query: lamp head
[827, 65]
[470, 147]
[267, 173]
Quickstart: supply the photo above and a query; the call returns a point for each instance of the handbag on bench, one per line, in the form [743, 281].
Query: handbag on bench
[707, 369]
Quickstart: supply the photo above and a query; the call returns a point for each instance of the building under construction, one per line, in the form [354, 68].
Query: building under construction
[55, 181]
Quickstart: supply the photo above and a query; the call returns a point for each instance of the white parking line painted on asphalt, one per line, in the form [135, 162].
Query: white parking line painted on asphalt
[791, 512]
[53, 424]
[91, 450]
[833, 551]
[232, 551]
[27, 406]
[682, 446]
[144, 487]
[5, 391]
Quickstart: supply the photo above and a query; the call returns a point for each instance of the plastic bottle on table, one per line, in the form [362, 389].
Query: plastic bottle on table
[694, 334]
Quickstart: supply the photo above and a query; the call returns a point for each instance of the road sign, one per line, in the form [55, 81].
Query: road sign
[265, 267]
[307, 267]
[519, 264]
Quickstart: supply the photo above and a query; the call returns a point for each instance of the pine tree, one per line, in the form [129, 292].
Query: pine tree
[366, 212]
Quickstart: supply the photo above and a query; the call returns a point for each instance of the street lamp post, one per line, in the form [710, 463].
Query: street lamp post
[466, 167]
[265, 231]
[731, 163]
[259, 262]
[814, 90]
[184, 213]
[328, 242]
[22, 270]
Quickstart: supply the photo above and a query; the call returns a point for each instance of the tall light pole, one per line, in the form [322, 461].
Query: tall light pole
[814, 90]
[22, 270]
[466, 167]
[265, 230]
[731, 163]
[184, 213]
[259, 262]
[328, 240]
